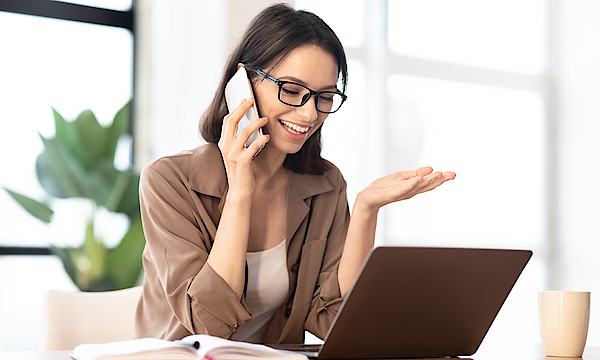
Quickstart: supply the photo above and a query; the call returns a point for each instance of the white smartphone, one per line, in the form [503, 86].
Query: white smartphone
[237, 90]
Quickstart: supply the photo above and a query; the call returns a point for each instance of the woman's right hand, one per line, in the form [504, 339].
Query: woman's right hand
[228, 256]
[238, 158]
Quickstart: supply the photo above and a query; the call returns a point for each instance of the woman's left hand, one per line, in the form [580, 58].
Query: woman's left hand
[361, 231]
[400, 186]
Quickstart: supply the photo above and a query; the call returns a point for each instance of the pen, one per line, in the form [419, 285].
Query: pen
[194, 344]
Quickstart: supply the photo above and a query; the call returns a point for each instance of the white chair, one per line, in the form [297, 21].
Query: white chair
[73, 318]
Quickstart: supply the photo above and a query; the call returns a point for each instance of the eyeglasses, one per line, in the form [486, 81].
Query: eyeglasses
[293, 94]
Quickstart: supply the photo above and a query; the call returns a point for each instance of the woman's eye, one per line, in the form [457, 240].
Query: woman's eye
[326, 97]
[290, 91]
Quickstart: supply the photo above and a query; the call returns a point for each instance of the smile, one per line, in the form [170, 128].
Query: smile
[293, 128]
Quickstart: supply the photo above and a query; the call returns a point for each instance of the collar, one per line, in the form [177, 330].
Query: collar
[208, 176]
[207, 171]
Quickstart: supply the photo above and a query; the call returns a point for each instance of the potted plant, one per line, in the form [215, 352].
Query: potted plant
[79, 163]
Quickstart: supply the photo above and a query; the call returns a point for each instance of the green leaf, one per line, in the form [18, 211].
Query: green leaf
[63, 133]
[104, 284]
[130, 203]
[118, 191]
[60, 167]
[119, 126]
[79, 162]
[67, 135]
[34, 207]
[100, 182]
[128, 200]
[62, 175]
[48, 178]
[93, 137]
[124, 262]
[96, 252]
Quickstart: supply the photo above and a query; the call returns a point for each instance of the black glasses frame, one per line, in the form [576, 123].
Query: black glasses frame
[306, 97]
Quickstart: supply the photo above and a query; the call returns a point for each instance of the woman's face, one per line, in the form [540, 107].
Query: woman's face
[288, 126]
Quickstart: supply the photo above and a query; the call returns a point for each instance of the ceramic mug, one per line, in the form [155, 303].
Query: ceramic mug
[564, 321]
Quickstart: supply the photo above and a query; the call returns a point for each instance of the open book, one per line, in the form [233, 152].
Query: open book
[193, 347]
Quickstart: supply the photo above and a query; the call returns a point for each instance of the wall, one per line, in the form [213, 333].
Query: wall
[578, 144]
[182, 48]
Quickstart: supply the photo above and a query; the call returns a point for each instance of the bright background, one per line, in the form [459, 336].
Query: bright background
[503, 93]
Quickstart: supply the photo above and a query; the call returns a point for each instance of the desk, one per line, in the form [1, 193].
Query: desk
[507, 351]
[486, 352]
[35, 355]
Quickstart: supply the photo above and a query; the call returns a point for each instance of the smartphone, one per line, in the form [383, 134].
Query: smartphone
[237, 90]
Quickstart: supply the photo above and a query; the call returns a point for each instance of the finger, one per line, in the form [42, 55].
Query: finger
[258, 144]
[425, 170]
[434, 182]
[439, 176]
[250, 129]
[432, 177]
[450, 175]
[232, 119]
[422, 171]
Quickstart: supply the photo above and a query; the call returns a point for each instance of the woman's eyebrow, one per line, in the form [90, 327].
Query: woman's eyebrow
[296, 80]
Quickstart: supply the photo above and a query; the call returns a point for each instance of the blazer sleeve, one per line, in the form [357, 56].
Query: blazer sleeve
[176, 227]
[327, 298]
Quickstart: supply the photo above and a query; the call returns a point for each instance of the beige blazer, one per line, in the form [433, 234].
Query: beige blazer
[181, 198]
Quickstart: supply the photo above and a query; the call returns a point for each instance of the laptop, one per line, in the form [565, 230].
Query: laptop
[420, 302]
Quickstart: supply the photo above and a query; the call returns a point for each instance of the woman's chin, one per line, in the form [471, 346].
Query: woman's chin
[287, 148]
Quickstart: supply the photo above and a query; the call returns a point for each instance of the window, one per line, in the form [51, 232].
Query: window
[458, 86]
[50, 62]
[68, 66]
[507, 35]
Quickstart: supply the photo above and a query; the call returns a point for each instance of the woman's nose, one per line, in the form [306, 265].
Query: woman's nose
[308, 111]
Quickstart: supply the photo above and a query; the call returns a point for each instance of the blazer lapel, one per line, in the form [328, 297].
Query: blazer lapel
[301, 188]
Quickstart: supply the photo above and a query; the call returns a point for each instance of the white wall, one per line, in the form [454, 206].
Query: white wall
[579, 153]
[180, 53]
[182, 48]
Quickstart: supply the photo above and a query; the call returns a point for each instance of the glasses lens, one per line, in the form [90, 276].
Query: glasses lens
[292, 94]
[329, 102]
[297, 95]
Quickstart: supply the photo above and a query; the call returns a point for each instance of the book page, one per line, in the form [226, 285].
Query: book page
[211, 348]
[215, 348]
[127, 349]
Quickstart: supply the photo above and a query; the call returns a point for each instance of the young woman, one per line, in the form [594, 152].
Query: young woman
[262, 249]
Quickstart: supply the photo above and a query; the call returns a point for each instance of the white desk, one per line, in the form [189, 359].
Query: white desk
[488, 351]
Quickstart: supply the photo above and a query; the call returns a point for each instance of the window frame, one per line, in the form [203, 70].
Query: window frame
[79, 13]
[381, 62]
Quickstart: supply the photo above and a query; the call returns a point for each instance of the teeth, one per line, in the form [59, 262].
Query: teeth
[298, 129]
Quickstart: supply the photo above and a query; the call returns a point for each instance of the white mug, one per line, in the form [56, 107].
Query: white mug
[564, 320]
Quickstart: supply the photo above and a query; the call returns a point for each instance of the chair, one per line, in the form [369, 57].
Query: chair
[73, 318]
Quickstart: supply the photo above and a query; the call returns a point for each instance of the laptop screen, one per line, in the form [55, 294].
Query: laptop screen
[411, 302]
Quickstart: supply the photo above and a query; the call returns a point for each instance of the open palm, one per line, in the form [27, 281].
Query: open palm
[402, 185]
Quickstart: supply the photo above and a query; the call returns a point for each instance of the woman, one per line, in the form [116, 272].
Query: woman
[261, 248]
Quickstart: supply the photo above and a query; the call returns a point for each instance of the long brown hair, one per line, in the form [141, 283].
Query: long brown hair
[271, 35]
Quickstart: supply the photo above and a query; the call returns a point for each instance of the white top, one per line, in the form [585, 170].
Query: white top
[268, 285]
